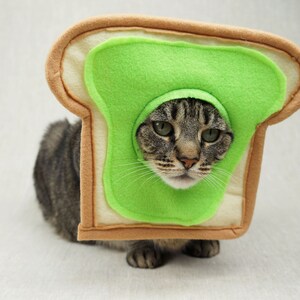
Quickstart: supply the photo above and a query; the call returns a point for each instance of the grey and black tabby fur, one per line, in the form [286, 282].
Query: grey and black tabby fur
[181, 159]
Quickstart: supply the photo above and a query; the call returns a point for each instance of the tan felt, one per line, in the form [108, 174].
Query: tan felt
[54, 72]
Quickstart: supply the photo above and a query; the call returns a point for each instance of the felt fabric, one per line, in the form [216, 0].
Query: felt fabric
[124, 75]
[230, 212]
[274, 45]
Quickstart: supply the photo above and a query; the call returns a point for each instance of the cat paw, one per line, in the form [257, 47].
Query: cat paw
[147, 258]
[202, 248]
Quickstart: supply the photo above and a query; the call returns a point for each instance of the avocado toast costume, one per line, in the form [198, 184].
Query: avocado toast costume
[112, 72]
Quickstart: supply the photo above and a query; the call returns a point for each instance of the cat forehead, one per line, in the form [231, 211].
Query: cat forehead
[172, 107]
[183, 109]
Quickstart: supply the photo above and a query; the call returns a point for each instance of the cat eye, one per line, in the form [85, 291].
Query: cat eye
[162, 128]
[210, 135]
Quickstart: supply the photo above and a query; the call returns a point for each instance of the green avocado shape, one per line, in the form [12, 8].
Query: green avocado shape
[129, 77]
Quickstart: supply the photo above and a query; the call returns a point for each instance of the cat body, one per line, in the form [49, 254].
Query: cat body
[181, 140]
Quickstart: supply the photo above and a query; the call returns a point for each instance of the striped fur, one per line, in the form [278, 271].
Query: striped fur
[189, 118]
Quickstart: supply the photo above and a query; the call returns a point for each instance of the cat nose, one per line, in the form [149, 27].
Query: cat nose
[188, 162]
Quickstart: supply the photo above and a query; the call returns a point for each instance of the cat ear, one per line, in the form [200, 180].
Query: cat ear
[102, 67]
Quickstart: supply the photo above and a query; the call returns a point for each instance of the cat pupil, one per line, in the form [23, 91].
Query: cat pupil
[210, 135]
[162, 128]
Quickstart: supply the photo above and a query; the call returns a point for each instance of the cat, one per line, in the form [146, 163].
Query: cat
[181, 140]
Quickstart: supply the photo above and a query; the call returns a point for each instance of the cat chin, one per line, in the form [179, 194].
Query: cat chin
[180, 182]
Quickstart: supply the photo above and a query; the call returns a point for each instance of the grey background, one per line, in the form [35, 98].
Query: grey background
[37, 264]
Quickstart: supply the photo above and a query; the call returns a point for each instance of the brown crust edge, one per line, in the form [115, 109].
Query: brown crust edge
[87, 229]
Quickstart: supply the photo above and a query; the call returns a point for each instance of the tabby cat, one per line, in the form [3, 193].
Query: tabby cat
[181, 140]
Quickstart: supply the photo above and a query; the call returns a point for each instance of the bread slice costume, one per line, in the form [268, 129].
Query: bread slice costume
[114, 71]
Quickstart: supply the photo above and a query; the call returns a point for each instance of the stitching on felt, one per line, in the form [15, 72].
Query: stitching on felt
[170, 30]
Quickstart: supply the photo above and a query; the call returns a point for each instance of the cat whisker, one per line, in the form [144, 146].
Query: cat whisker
[166, 170]
[216, 183]
[130, 167]
[214, 177]
[169, 169]
[203, 173]
[223, 172]
[133, 172]
[124, 158]
[232, 178]
[129, 164]
[222, 169]
[210, 182]
[147, 179]
[145, 174]
[205, 179]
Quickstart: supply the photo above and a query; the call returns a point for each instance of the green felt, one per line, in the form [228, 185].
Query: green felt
[129, 77]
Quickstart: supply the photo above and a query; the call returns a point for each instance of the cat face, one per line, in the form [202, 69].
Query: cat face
[182, 139]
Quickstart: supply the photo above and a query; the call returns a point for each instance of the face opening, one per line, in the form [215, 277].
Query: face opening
[182, 139]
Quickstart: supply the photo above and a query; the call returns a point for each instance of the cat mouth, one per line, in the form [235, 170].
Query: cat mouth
[183, 177]
[183, 181]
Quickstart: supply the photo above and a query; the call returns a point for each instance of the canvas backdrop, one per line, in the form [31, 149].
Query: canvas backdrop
[37, 264]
